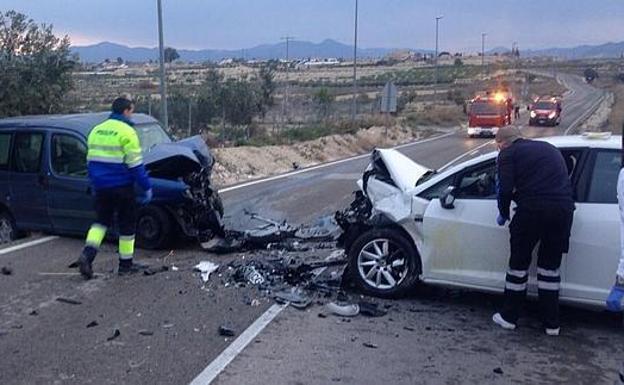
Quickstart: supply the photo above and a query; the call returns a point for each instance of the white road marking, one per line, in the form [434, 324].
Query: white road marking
[28, 244]
[465, 154]
[289, 174]
[585, 115]
[216, 367]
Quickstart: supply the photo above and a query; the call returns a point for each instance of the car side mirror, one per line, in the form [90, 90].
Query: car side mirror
[447, 199]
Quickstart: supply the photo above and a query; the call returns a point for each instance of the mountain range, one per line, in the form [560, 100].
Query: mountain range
[302, 49]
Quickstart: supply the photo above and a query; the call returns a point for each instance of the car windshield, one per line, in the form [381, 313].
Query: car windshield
[544, 106]
[486, 109]
[150, 135]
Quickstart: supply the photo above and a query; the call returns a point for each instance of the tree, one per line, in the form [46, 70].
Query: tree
[35, 66]
[458, 62]
[171, 54]
[323, 102]
[120, 60]
[266, 77]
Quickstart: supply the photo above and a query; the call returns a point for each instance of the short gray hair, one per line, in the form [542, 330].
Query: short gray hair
[508, 134]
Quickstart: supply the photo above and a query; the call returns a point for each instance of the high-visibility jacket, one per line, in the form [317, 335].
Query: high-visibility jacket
[114, 155]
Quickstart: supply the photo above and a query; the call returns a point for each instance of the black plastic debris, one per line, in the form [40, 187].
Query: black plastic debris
[6, 270]
[69, 301]
[226, 331]
[73, 265]
[116, 334]
[155, 270]
[498, 371]
[34, 312]
[92, 324]
[146, 332]
[370, 345]
[370, 309]
[408, 328]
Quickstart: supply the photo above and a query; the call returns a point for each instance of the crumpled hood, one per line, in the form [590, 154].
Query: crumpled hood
[388, 181]
[178, 159]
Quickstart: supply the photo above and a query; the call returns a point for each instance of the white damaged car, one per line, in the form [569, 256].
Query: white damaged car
[409, 224]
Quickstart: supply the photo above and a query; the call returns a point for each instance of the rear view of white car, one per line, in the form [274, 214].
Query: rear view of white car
[410, 224]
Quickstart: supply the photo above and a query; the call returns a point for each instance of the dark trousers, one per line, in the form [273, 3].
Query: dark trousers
[118, 201]
[550, 226]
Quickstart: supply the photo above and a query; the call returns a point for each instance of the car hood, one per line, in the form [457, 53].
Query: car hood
[388, 181]
[178, 159]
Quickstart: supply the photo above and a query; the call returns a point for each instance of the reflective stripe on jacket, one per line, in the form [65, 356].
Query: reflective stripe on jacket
[114, 155]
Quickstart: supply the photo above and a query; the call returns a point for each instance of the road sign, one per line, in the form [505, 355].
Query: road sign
[389, 98]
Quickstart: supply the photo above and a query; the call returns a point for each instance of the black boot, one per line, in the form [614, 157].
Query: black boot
[85, 261]
[128, 267]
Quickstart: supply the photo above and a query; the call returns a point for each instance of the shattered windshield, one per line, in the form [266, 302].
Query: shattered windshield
[151, 135]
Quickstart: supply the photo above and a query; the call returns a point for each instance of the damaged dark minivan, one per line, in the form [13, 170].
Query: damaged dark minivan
[44, 184]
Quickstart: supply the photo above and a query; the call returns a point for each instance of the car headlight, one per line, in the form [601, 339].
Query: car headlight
[533, 114]
[552, 115]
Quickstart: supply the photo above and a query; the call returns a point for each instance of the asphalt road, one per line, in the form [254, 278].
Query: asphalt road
[168, 322]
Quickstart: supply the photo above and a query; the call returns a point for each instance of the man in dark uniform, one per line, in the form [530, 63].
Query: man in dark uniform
[534, 175]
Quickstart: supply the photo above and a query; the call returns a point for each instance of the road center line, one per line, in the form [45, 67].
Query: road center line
[28, 244]
[216, 367]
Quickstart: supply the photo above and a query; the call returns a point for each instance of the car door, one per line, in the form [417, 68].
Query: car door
[5, 153]
[595, 240]
[28, 182]
[70, 200]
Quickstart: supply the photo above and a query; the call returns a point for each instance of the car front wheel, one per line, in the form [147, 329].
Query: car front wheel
[384, 263]
[153, 229]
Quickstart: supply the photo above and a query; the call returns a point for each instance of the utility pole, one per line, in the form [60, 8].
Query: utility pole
[483, 35]
[190, 101]
[355, 88]
[435, 88]
[164, 116]
[287, 91]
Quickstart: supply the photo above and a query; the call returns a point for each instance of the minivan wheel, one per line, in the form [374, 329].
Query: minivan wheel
[153, 228]
[384, 263]
[8, 232]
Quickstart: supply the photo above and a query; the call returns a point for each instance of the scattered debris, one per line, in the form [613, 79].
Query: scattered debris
[350, 310]
[174, 268]
[167, 325]
[34, 312]
[408, 328]
[370, 345]
[6, 270]
[322, 315]
[226, 331]
[92, 324]
[68, 301]
[155, 270]
[146, 332]
[205, 268]
[18, 326]
[116, 334]
[251, 275]
[370, 309]
[498, 371]
[73, 265]
[295, 297]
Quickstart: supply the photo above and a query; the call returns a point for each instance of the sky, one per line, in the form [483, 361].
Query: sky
[237, 24]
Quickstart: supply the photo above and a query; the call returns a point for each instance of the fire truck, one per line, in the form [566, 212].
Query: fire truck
[488, 112]
[545, 111]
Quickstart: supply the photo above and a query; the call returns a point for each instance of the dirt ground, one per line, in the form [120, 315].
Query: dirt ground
[239, 164]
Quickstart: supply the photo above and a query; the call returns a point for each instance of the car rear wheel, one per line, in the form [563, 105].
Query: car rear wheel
[153, 228]
[384, 263]
[8, 232]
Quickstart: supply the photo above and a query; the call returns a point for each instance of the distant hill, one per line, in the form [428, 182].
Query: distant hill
[297, 49]
[303, 49]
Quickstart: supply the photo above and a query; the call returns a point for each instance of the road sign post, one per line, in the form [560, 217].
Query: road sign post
[388, 103]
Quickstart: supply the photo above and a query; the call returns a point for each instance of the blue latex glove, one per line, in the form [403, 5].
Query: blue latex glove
[500, 220]
[145, 197]
[615, 298]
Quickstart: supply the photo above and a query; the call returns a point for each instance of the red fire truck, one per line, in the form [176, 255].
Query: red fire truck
[487, 113]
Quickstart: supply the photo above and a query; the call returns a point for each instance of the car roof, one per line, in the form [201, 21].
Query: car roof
[81, 123]
[590, 139]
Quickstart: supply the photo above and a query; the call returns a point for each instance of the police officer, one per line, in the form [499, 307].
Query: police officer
[115, 165]
[535, 176]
